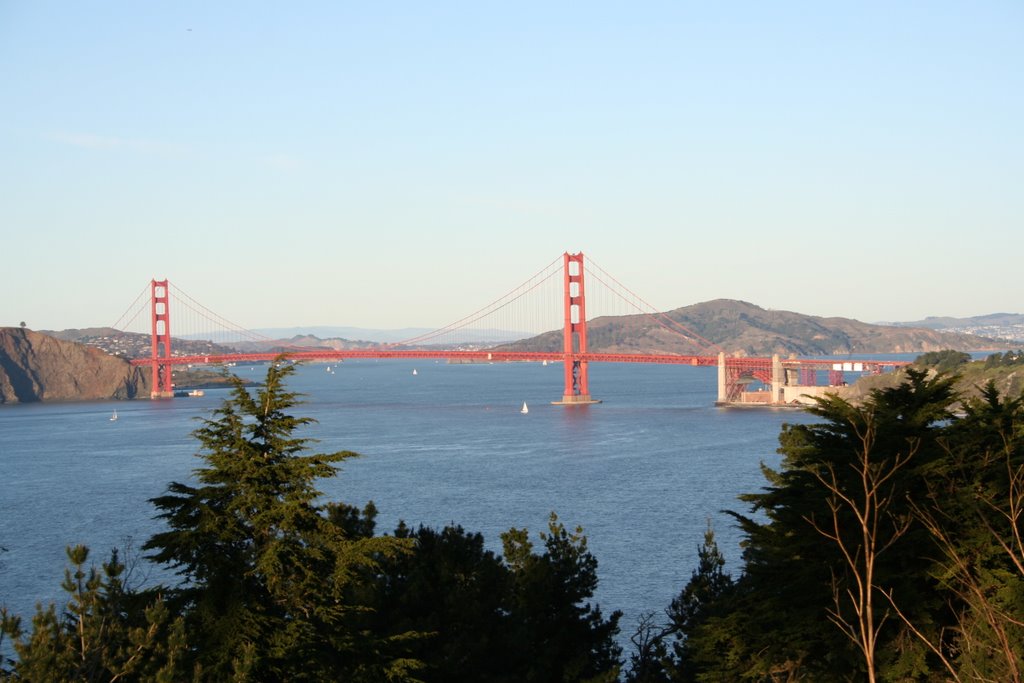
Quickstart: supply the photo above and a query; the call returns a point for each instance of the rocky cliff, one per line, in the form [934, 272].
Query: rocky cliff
[36, 367]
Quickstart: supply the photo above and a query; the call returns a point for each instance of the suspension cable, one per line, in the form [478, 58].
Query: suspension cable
[488, 309]
[655, 315]
[136, 306]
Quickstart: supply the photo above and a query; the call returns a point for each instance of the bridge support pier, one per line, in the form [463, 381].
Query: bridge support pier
[723, 395]
[778, 380]
[574, 335]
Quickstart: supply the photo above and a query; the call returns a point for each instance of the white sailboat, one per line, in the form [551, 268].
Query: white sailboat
[113, 418]
[525, 409]
[414, 371]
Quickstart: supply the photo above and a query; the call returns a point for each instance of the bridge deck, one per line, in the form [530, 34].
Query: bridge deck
[511, 356]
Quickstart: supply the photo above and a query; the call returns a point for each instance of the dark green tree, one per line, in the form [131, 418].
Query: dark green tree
[524, 617]
[105, 632]
[267, 576]
[674, 652]
[708, 590]
[458, 594]
[975, 513]
[1009, 358]
[943, 361]
[558, 634]
[835, 533]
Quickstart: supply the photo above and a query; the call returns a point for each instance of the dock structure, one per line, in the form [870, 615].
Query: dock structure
[791, 382]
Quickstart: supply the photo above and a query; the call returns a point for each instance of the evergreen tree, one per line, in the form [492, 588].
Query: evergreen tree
[975, 512]
[558, 635]
[459, 595]
[701, 599]
[104, 633]
[267, 577]
[835, 535]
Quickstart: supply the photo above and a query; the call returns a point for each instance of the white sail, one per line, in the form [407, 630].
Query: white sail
[525, 409]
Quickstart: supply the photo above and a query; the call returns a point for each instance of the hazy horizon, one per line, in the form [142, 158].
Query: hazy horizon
[355, 333]
[403, 165]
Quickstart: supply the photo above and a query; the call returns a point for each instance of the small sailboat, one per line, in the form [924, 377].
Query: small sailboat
[414, 371]
[525, 409]
[545, 362]
[113, 418]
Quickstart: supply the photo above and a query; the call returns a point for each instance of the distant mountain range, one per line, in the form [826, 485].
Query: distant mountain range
[729, 325]
[735, 325]
[1008, 326]
[741, 327]
[1015, 320]
[383, 336]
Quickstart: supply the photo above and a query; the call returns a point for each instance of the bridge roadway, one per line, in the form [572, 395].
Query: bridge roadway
[476, 356]
[485, 356]
[788, 382]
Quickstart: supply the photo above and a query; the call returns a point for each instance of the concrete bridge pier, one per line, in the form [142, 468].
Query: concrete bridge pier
[722, 395]
[778, 380]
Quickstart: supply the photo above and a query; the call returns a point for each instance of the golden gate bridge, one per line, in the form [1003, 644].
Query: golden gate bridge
[554, 298]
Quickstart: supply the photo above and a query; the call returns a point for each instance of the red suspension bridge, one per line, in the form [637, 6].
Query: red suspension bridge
[557, 290]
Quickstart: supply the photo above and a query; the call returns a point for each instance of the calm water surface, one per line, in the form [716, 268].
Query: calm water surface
[642, 472]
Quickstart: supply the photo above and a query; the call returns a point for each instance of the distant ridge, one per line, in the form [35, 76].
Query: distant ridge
[946, 323]
[933, 322]
[362, 334]
[739, 327]
[1009, 326]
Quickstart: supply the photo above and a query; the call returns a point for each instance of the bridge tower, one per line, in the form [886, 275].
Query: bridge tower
[161, 386]
[574, 336]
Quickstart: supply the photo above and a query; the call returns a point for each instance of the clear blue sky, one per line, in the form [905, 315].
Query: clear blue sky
[403, 163]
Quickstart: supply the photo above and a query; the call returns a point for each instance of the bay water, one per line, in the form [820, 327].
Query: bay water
[643, 473]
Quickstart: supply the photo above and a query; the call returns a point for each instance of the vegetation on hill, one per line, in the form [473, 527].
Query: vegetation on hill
[1004, 371]
[135, 345]
[887, 546]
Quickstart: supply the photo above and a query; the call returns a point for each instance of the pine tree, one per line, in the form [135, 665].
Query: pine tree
[701, 599]
[558, 634]
[267, 577]
[459, 595]
[834, 533]
[975, 513]
[103, 633]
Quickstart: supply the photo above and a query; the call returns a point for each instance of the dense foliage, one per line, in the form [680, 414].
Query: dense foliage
[943, 361]
[887, 546]
[1010, 358]
[276, 586]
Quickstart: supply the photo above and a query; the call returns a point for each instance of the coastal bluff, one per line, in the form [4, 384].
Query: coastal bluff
[37, 367]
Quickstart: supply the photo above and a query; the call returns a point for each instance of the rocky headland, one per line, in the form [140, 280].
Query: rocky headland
[38, 367]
